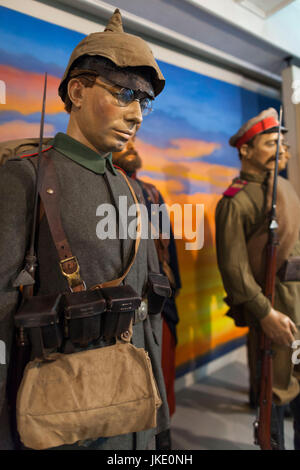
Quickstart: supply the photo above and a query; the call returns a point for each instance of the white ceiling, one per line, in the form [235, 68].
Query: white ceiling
[264, 8]
[218, 31]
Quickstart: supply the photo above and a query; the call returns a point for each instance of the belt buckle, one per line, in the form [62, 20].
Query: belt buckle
[73, 278]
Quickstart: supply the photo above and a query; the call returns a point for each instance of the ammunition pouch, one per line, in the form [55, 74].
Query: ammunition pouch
[290, 271]
[83, 313]
[158, 291]
[79, 317]
[121, 303]
[39, 321]
[86, 316]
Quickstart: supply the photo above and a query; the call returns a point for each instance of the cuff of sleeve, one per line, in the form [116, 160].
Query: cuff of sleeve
[259, 307]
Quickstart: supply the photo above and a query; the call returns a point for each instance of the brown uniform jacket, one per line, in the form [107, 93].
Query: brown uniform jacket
[238, 217]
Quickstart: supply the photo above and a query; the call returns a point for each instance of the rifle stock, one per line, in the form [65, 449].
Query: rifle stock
[263, 436]
[263, 424]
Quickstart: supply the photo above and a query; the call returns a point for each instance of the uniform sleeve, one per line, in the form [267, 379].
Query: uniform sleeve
[153, 264]
[153, 344]
[239, 283]
[16, 204]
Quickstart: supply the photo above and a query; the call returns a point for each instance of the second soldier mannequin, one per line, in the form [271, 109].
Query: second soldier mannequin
[241, 238]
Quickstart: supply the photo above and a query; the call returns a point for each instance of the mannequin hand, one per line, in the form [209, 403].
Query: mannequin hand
[279, 328]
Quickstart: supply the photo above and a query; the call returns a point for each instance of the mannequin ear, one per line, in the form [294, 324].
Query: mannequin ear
[245, 151]
[76, 92]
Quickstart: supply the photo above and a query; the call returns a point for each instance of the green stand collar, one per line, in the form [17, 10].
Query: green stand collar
[82, 154]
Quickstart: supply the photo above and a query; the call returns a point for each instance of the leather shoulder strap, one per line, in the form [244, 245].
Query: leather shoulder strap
[50, 195]
[117, 282]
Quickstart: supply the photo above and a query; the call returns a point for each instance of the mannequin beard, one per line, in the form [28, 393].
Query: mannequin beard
[129, 161]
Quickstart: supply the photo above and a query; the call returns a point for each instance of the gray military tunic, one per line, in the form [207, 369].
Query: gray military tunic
[86, 181]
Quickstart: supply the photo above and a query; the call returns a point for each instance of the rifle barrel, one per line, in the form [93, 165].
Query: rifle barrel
[36, 197]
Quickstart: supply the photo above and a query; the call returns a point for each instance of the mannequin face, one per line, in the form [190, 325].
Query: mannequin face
[98, 121]
[261, 156]
[286, 156]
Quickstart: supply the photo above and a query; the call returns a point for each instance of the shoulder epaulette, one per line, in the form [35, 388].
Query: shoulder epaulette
[35, 153]
[235, 187]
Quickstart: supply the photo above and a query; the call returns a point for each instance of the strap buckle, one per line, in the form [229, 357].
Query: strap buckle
[73, 278]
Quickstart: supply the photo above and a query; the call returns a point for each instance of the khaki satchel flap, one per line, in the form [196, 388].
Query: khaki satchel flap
[86, 395]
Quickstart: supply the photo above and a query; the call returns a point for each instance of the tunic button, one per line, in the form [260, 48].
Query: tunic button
[142, 311]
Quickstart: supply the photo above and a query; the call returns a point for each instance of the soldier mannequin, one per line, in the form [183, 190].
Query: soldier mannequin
[106, 93]
[241, 237]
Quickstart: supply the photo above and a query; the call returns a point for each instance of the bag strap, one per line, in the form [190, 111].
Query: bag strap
[117, 282]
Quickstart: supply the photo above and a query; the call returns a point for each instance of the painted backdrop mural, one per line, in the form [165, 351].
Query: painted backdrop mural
[184, 146]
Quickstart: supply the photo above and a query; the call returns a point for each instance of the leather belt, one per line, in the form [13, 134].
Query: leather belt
[290, 271]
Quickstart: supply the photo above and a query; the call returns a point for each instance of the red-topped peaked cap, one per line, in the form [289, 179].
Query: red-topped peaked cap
[266, 120]
[124, 50]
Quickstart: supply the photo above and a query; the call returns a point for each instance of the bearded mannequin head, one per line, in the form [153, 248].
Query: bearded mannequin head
[128, 159]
